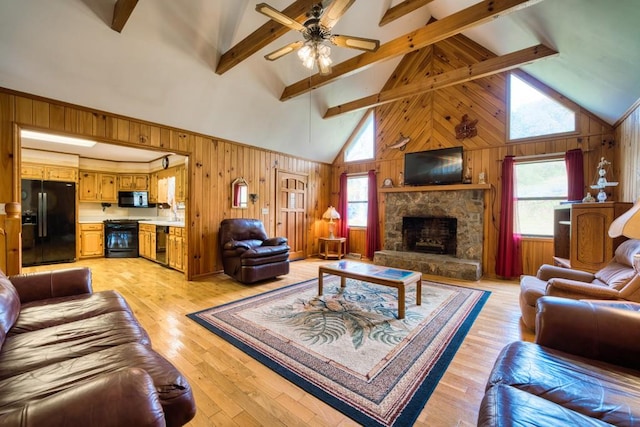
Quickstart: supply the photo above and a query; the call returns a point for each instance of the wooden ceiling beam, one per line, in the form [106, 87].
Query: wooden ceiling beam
[401, 9]
[121, 13]
[432, 33]
[261, 37]
[481, 69]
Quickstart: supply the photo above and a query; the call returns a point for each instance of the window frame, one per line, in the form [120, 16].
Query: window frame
[548, 93]
[535, 159]
[369, 115]
[366, 201]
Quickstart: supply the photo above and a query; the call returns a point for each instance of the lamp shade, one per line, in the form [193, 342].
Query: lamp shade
[627, 224]
[331, 213]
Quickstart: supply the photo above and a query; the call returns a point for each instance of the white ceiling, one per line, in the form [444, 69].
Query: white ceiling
[161, 67]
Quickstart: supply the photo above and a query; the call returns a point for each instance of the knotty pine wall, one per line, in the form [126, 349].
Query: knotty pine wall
[430, 119]
[213, 164]
[628, 137]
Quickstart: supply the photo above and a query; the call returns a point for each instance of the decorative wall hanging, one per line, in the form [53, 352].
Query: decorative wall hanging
[466, 128]
[401, 143]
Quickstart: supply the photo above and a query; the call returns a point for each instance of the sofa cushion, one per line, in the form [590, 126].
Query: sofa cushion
[615, 275]
[265, 251]
[626, 251]
[30, 350]
[173, 389]
[505, 405]
[595, 389]
[9, 306]
[56, 311]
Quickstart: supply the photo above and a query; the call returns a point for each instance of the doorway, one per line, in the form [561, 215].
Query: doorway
[292, 211]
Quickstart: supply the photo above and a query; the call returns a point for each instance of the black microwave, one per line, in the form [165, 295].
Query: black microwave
[133, 199]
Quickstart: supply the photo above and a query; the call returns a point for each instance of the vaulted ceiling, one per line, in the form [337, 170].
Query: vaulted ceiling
[199, 64]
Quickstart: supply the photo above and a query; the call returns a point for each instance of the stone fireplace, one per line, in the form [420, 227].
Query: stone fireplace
[452, 247]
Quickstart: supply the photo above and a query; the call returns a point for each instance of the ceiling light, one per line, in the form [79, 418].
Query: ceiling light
[316, 52]
[47, 137]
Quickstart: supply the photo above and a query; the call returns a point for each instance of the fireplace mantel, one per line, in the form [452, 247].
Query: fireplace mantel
[451, 187]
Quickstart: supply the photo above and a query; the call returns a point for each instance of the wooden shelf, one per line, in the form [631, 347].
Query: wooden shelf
[452, 187]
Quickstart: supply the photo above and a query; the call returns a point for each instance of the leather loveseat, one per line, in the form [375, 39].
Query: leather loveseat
[69, 356]
[582, 370]
[618, 280]
[248, 254]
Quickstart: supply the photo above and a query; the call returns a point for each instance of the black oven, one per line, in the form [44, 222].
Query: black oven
[121, 238]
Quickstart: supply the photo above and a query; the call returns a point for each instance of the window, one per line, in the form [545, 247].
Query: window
[540, 186]
[357, 204]
[362, 146]
[533, 113]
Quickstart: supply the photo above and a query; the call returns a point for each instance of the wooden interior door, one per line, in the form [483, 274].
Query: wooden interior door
[292, 211]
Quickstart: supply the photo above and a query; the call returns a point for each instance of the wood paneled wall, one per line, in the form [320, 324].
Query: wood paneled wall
[628, 138]
[213, 164]
[430, 119]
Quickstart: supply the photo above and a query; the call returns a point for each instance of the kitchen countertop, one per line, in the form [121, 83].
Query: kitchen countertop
[163, 223]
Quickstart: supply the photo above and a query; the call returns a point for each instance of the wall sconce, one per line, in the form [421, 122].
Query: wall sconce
[253, 197]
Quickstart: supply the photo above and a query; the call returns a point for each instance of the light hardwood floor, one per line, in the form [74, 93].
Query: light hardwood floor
[232, 389]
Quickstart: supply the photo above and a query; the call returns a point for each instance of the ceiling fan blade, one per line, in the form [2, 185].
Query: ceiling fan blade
[334, 11]
[279, 17]
[352, 42]
[291, 47]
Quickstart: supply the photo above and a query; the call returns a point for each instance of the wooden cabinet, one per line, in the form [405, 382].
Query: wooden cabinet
[97, 187]
[91, 240]
[49, 172]
[163, 188]
[181, 183]
[176, 248]
[133, 182]
[153, 188]
[580, 234]
[147, 241]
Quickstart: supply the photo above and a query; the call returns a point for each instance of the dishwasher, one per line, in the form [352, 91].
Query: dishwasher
[162, 233]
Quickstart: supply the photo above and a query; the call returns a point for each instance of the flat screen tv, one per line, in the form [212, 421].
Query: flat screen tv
[433, 167]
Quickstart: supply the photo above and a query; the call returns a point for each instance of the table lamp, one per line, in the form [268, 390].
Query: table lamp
[627, 224]
[331, 213]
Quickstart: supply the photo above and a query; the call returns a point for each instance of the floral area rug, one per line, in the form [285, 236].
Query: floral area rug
[347, 347]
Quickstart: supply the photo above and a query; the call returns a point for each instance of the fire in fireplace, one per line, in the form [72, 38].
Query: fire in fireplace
[434, 235]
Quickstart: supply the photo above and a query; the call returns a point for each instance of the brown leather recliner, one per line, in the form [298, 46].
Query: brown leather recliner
[618, 280]
[248, 255]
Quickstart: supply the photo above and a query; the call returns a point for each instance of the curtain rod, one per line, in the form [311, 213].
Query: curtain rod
[539, 156]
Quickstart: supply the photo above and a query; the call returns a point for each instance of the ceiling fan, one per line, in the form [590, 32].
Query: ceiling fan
[316, 31]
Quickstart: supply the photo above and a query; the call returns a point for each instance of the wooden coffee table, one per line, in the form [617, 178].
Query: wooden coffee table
[385, 276]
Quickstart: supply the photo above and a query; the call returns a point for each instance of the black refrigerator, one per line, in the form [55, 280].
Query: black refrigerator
[48, 222]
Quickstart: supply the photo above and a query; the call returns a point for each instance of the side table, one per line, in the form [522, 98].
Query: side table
[332, 248]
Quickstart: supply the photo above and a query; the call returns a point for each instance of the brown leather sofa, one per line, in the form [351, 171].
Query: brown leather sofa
[618, 280]
[69, 356]
[582, 370]
[248, 255]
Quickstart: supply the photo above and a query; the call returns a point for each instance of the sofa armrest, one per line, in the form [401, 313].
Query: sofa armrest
[546, 272]
[275, 241]
[52, 284]
[603, 330]
[122, 398]
[580, 290]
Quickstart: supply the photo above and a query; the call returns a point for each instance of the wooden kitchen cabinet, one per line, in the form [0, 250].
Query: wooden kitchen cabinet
[49, 172]
[147, 241]
[91, 240]
[176, 248]
[133, 182]
[153, 188]
[181, 183]
[580, 234]
[97, 187]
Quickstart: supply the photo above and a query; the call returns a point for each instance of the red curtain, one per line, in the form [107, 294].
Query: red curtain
[373, 229]
[575, 174]
[343, 210]
[508, 260]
